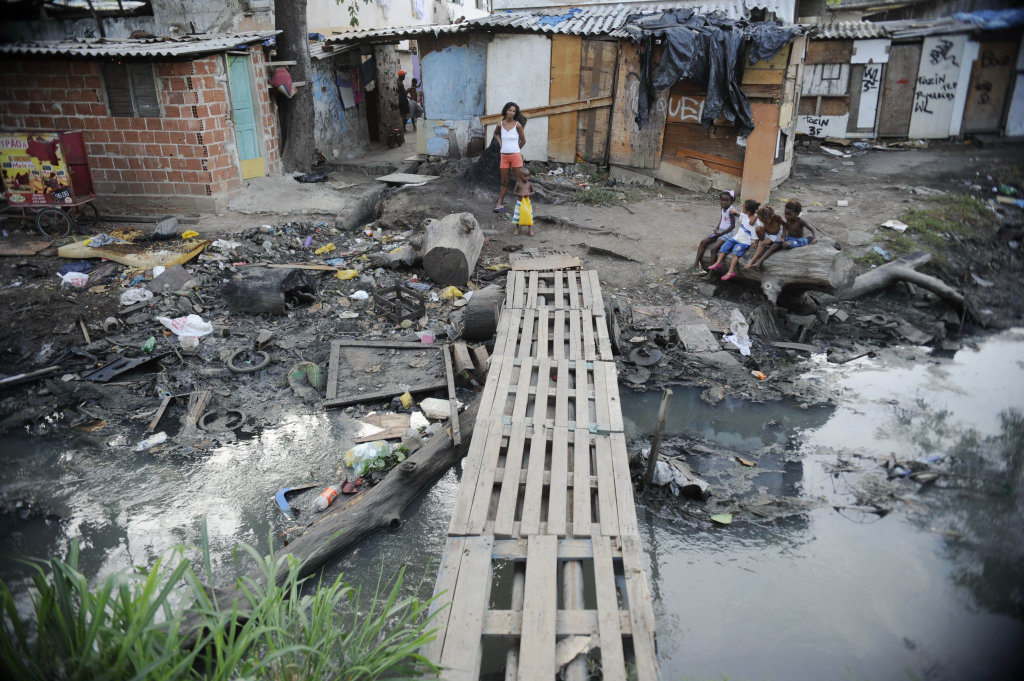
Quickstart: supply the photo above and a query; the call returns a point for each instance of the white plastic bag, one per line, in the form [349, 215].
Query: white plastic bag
[739, 336]
[362, 457]
[136, 295]
[151, 441]
[192, 325]
[76, 279]
[359, 295]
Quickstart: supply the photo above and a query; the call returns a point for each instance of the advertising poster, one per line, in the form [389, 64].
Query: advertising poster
[33, 169]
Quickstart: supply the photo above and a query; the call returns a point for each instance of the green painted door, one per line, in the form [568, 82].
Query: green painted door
[244, 113]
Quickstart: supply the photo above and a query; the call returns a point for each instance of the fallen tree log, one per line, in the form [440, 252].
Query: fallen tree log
[816, 267]
[329, 534]
[904, 269]
[451, 247]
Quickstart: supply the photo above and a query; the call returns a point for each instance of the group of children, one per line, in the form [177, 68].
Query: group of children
[737, 232]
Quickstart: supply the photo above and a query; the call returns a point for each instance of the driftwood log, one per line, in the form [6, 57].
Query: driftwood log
[904, 269]
[451, 247]
[816, 267]
[482, 312]
[328, 535]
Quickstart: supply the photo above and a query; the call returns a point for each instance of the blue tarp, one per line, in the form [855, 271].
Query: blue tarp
[993, 19]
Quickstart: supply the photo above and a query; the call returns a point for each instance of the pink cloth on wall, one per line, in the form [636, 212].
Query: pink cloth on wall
[282, 82]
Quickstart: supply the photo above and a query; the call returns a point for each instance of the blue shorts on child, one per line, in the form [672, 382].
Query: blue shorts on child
[734, 247]
[797, 242]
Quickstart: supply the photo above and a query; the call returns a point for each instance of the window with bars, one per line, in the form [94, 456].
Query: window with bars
[131, 90]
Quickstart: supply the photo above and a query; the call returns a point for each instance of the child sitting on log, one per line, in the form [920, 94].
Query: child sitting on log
[741, 239]
[770, 233]
[726, 224]
[794, 238]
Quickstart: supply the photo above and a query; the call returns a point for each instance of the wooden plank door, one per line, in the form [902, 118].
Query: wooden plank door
[898, 92]
[990, 82]
[565, 79]
[597, 79]
[244, 114]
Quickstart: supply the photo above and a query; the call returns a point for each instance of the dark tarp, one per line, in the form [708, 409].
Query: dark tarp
[707, 49]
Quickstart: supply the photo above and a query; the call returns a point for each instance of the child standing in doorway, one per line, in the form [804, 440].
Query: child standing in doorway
[726, 224]
[523, 216]
[741, 239]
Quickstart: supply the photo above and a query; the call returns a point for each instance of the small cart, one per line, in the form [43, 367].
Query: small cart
[46, 179]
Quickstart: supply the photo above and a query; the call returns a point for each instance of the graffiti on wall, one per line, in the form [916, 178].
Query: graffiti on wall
[822, 126]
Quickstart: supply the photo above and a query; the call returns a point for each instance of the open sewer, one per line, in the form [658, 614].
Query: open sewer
[824, 587]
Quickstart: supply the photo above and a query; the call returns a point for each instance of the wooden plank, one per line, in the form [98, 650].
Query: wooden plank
[484, 432]
[602, 406]
[452, 402]
[522, 390]
[542, 390]
[461, 358]
[631, 145]
[763, 77]
[829, 52]
[559, 290]
[462, 651]
[526, 334]
[581, 514]
[408, 178]
[607, 511]
[531, 291]
[582, 414]
[505, 516]
[597, 302]
[611, 390]
[508, 332]
[589, 349]
[564, 88]
[159, 413]
[537, 645]
[530, 524]
[332, 371]
[989, 85]
[547, 263]
[542, 111]
[384, 394]
[575, 352]
[574, 292]
[562, 392]
[444, 588]
[613, 663]
[604, 344]
[509, 623]
[483, 490]
[559, 484]
[623, 484]
[558, 346]
[640, 612]
[759, 161]
[543, 319]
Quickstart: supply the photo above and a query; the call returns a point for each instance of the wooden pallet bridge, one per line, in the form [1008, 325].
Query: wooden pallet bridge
[542, 571]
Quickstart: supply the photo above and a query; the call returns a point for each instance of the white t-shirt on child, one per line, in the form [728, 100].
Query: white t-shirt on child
[746, 233]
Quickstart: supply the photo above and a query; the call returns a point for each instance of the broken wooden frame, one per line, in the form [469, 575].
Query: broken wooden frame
[423, 383]
[400, 303]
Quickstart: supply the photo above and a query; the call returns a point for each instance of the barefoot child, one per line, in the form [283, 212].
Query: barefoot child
[795, 226]
[741, 239]
[770, 235]
[726, 224]
[524, 211]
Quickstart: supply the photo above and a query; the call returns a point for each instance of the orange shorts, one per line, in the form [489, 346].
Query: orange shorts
[511, 161]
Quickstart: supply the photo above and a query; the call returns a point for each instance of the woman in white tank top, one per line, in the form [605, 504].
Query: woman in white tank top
[510, 135]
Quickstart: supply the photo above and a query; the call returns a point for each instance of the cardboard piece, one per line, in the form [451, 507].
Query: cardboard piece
[143, 255]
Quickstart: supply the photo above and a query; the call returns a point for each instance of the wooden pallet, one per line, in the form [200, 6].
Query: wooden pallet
[558, 334]
[502, 595]
[573, 393]
[520, 481]
[570, 290]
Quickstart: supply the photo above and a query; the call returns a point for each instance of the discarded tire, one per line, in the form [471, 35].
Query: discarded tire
[240, 367]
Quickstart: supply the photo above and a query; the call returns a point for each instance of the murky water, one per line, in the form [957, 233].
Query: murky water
[932, 590]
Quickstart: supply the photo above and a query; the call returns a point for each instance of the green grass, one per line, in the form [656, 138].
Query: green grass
[937, 228]
[138, 626]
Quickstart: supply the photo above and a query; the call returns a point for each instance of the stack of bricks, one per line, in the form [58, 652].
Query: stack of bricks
[185, 160]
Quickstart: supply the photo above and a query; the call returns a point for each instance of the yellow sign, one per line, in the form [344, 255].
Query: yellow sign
[33, 169]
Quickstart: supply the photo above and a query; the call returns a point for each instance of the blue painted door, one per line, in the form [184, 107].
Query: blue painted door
[244, 114]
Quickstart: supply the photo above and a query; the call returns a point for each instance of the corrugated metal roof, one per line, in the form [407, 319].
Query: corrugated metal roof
[848, 30]
[607, 20]
[139, 47]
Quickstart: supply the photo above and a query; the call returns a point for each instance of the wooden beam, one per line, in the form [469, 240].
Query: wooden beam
[542, 111]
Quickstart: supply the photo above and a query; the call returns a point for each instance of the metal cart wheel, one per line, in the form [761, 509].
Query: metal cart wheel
[54, 223]
[86, 216]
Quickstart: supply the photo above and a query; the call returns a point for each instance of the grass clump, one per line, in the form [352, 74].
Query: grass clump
[163, 624]
[937, 228]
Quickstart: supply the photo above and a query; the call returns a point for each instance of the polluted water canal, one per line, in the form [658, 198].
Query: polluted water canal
[894, 547]
[880, 537]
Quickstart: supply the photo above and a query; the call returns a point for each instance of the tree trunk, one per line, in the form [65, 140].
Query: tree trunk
[816, 267]
[333, 532]
[451, 247]
[904, 269]
[297, 115]
[482, 312]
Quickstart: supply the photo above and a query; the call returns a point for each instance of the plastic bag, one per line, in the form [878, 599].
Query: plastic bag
[76, 279]
[449, 292]
[136, 295]
[361, 458]
[192, 325]
[525, 212]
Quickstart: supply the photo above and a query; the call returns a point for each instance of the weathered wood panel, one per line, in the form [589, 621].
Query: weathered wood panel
[936, 88]
[631, 145]
[681, 138]
[565, 84]
[760, 156]
[829, 52]
[826, 79]
[597, 79]
[898, 90]
[990, 82]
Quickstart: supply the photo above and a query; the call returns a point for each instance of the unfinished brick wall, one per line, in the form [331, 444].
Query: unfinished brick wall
[185, 160]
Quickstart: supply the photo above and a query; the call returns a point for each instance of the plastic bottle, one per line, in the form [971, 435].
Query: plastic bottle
[326, 498]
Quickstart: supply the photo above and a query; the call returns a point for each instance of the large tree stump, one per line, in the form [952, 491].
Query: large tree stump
[451, 247]
[816, 267]
[482, 313]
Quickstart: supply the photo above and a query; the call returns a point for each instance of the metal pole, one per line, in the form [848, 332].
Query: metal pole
[652, 458]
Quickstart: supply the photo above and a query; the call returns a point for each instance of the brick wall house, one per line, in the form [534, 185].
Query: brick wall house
[164, 132]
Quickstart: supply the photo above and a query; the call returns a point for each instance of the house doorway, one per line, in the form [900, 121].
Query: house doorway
[243, 111]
